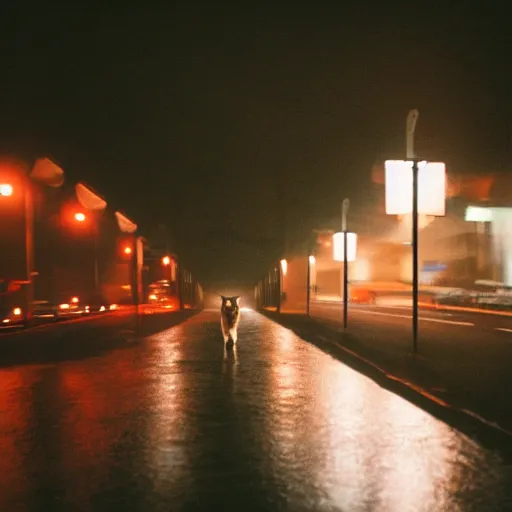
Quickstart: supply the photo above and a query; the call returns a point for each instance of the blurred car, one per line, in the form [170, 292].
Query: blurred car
[458, 297]
[73, 307]
[44, 310]
[12, 317]
[97, 303]
[362, 295]
[163, 300]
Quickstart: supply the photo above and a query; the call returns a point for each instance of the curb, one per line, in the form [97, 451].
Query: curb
[119, 313]
[423, 392]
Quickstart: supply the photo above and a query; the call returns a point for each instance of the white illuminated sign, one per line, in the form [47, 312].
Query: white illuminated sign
[431, 187]
[339, 244]
[478, 214]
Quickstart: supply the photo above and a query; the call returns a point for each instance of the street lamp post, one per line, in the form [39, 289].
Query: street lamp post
[81, 217]
[308, 286]
[29, 246]
[90, 200]
[96, 236]
[22, 188]
[344, 213]
[179, 282]
[166, 263]
[412, 118]
[415, 262]
[403, 180]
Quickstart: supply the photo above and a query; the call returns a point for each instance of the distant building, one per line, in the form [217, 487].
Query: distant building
[473, 241]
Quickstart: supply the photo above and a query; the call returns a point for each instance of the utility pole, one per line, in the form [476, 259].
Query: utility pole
[412, 118]
[344, 213]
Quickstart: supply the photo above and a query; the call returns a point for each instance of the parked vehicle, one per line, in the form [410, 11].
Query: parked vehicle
[11, 316]
[44, 310]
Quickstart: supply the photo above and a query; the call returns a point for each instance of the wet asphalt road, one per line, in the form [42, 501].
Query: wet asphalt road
[176, 423]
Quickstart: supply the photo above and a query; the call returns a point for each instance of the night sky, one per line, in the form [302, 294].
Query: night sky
[215, 119]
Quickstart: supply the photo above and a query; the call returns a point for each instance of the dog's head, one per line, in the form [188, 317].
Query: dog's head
[230, 304]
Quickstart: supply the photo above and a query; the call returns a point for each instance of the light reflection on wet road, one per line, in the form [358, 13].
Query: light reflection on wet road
[178, 423]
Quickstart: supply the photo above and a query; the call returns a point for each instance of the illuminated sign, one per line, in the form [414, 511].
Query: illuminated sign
[339, 244]
[431, 187]
[478, 214]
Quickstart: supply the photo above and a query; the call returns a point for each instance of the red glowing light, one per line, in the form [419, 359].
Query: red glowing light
[6, 190]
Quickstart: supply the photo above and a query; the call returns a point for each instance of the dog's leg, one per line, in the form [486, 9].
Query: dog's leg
[225, 333]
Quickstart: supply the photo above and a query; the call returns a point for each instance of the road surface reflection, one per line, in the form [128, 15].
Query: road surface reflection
[176, 422]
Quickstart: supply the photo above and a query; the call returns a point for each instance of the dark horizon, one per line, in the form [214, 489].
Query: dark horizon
[204, 121]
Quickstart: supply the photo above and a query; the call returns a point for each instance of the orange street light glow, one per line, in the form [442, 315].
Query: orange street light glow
[166, 260]
[127, 250]
[5, 190]
[80, 217]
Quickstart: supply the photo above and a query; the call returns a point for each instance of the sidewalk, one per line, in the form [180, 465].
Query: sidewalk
[462, 378]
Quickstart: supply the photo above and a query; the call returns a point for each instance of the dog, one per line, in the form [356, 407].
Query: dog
[229, 319]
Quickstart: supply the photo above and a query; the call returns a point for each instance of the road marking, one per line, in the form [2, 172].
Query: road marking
[408, 308]
[504, 329]
[437, 320]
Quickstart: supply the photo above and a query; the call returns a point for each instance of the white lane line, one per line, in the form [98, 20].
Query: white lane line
[504, 329]
[408, 308]
[436, 320]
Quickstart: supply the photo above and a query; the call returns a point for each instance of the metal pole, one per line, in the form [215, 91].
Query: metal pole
[344, 212]
[308, 283]
[179, 284]
[278, 286]
[412, 119]
[29, 248]
[139, 255]
[96, 257]
[415, 266]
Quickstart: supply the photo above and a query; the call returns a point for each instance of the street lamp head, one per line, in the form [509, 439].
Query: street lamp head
[166, 260]
[127, 250]
[6, 190]
[80, 217]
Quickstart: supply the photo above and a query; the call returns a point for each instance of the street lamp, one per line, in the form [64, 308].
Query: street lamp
[166, 261]
[6, 190]
[92, 201]
[127, 250]
[418, 188]
[17, 177]
[344, 249]
[311, 263]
